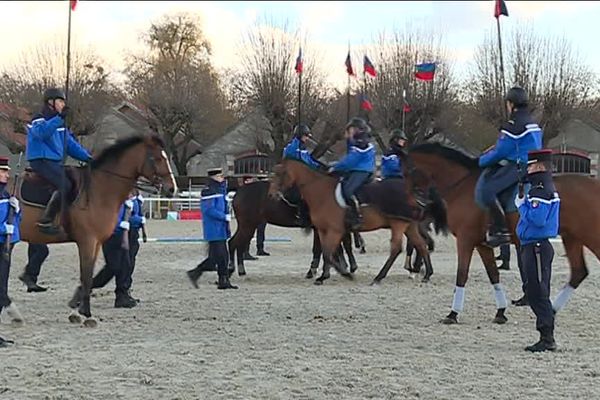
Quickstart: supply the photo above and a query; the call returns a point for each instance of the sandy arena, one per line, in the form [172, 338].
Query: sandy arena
[281, 337]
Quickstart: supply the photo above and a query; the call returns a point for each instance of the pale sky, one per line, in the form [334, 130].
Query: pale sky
[113, 28]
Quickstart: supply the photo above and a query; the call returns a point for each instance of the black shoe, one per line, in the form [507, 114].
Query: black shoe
[134, 299]
[521, 302]
[544, 344]
[262, 253]
[225, 284]
[124, 300]
[5, 342]
[31, 284]
[249, 257]
[194, 275]
[505, 266]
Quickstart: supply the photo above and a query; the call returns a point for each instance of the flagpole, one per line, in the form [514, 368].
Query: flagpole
[299, 98]
[503, 81]
[63, 195]
[403, 108]
[348, 90]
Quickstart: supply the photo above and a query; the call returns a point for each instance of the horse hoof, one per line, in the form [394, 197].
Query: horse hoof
[412, 275]
[318, 282]
[362, 250]
[348, 276]
[425, 280]
[310, 274]
[500, 320]
[449, 320]
[376, 282]
[90, 323]
[242, 273]
[75, 317]
[353, 269]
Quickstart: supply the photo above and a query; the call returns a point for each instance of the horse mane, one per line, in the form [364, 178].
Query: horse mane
[116, 150]
[446, 152]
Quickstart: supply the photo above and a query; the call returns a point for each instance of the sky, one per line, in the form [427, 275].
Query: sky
[113, 28]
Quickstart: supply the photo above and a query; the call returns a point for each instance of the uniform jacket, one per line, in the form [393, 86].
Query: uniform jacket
[391, 164]
[45, 139]
[136, 220]
[539, 213]
[360, 156]
[214, 212]
[4, 208]
[517, 137]
[296, 150]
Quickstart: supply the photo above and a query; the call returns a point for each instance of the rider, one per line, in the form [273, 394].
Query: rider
[357, 166]
[503, 163]
[45, 150]
[296, 150]
[391, 164]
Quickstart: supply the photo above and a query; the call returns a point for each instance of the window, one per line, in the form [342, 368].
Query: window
[253, 165]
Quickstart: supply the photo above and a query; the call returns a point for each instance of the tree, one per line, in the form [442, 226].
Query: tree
[36, 69]
[395, 56]
[267, 80]
[175, 81]
[558, 82]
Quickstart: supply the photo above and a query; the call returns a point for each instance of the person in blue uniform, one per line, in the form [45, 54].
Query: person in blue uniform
[10, 218]
[137, 222]
[215, 228]
[296, 150]
[45, 151]
[391, 163]
[357, 167]
[538, 222]
[505, 163]
[36, 255]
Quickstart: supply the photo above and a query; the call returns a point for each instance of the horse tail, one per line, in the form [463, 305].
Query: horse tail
[437, 209]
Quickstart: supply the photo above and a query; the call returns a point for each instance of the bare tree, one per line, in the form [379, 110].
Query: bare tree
[175, 80]
[43, 66]
[267, 80]
[395, 55]
[557, 80]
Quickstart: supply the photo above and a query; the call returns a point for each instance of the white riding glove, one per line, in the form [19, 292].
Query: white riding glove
[228, 217]
[129, 204]
[14, 203]
[124, 225]
[143, 220]
[10, 229]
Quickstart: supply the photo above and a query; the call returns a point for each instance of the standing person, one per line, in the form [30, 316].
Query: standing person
[137, 222]
[539, 221]
[36, 255]
[504, 257]
[215, 228]
[7, 202]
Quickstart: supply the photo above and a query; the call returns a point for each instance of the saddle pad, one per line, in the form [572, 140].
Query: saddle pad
[36, 191]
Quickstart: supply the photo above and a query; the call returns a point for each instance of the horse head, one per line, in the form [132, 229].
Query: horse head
[156, 167]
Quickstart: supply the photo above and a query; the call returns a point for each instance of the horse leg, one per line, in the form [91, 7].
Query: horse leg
[359, 242]
[465, 253]
[347, 243]
[316, 250]
[489, 262]
[398, 228]
[330, 240]
[419, 243]
[339, 257]
[408, 259]
[88, 252]
[579, 271]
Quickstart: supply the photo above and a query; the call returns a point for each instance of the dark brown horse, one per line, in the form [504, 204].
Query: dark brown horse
[317, 189]
[455, 175]
[92, 217]
[253, 206]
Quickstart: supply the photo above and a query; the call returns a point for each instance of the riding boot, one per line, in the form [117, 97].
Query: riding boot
[224, 283]
[31, 284]
[498, 233]
[262, 252]
[522, 302]
[546, 342]
[46, 222]
[124, 300]
[354, 216]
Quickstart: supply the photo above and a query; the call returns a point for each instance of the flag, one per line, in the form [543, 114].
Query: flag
[405, 107]
[425, 71]
[73, 5]
[349, 68]
[299, 65]
[369, 67]
[500, 9]
[365, 104]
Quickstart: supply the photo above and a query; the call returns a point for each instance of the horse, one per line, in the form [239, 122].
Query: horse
[91, 217]
[424, 229]
[318, 190]
[252, 206]
[455, 174]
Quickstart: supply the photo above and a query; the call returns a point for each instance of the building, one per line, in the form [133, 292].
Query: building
[576, 148]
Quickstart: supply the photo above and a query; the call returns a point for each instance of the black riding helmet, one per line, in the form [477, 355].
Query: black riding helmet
[53, 94]
[518, 96]
[301, 130]
[397, 134]
[359, 123]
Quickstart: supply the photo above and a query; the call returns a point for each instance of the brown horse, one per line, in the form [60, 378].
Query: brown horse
[455, 175]
[317, 189]
[92, 217]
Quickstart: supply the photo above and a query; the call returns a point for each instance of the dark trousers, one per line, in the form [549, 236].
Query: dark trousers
[36, 255]
[4, 272]
[352, 181]
[134, 248]
[217, 255]
[260, 236]
[52, 171]
[494, 180]
[505, 253]
[117, 265]
[537, 271]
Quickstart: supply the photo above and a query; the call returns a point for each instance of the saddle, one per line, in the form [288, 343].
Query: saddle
[389, 196]
[36, 191]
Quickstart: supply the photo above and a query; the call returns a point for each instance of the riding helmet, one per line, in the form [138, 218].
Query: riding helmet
[53, 94]
[301, 130]
[359, 123]
[398, 134]
[518, 96]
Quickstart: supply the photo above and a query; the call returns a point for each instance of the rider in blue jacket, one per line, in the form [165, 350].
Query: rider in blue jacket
[391, 164]
[357, 167]
[504, 163]
[45, 150]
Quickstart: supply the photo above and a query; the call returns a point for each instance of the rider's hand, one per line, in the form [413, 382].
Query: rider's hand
[228, 217]
[14, 203]
[10, 229]
[519, 201]
[330, 170]
[124, 225]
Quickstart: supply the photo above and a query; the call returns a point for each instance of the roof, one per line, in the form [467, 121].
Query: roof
[10, 111]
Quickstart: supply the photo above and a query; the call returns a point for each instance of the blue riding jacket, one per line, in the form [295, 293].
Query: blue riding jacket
[391, 164]
[214, 212]
[121, 218]
[4, 209]
[517, 137]
[296, 150]
[136, 220]
[539, 213]
[45, 140]
[360, 157]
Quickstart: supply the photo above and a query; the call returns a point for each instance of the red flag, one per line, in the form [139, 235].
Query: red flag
[365, 104]
[299, 65]
[500, 9]
[73, 5]
[369, 68]
[406, 108]
[349, 68]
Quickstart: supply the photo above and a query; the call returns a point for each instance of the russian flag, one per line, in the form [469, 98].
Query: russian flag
[500, 9]
[299, 65]
[348, 63]
[425, 71]
[365, 104]
[369, 67]
[73, 5]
